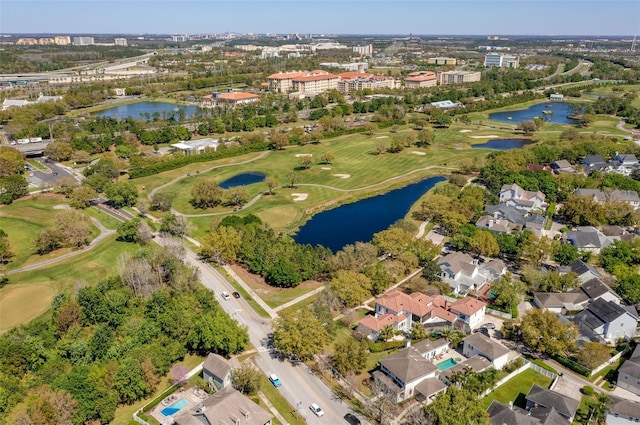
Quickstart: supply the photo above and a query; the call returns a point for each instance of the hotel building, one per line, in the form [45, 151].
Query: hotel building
[458, 77]
[420, 79]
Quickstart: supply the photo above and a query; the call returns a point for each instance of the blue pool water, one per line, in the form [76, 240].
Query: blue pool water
[502, 144]
[447, 364]
[175, 407]
[243, 180]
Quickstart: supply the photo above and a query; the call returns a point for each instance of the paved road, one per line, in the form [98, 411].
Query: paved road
[299, 386]
[48, 178]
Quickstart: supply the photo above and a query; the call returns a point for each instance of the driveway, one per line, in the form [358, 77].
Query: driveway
[570, 386]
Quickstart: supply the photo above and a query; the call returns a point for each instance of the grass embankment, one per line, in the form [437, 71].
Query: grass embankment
[516, 388]
[23, 220]
[244, 294]
[29, 293]
[287, 411]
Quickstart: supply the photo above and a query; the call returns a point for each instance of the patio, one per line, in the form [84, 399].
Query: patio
[192, 396]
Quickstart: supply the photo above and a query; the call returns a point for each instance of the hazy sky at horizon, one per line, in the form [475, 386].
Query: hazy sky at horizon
[456, 17]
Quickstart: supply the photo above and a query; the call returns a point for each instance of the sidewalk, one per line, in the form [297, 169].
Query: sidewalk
[297, 300]
[270, 406]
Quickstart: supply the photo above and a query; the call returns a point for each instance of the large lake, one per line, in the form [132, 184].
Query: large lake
[358, 221]
[502, 144]
[136, 110]
[560, 112]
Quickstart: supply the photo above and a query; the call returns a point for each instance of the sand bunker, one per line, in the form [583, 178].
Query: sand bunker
[465, 131]
[382, 137]
[297, 197]
[490, 136]
[342, 176]
[325, 168]
[298, 155]
[61, 207]
[418, 153]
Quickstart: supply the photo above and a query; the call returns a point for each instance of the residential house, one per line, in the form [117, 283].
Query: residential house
[607, 322]
[505, 219]
[514, 195]
[216, 371]
[576, 299]
[371, 326]
[501, 414]
[403, 371]
[626, 159]
[540, 402]
[622, 412]
[227, 406]
[594, 163]
[475, 364]
[584, 271]
[470, 312]
[562, 167]
[463, 273]
[629, 373]
[629, 196]
[416, 306]
[479, 344]
[587, 238]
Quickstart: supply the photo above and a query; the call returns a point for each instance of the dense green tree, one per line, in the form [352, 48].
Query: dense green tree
[129, 381]
[566, 254]
[215, 332]
[457, 406]
[206, 194]
[122, 193]
[508, 291]
[349, 356]
[351, 287]
[299, 334]
[246, 378]
[592, 354]
[12, 187]
[222, 244]
[543, 331]
[128, 230]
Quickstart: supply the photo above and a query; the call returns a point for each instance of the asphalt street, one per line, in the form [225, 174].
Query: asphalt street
[299, 385]
[48, 178]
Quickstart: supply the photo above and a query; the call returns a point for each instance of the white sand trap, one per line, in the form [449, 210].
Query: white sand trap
[61, 207]
[382, 137]
[465, 131]
[490, 136]
[418, 153]
[342, 176]
[298, 155]
[325, 168]
[297, 197]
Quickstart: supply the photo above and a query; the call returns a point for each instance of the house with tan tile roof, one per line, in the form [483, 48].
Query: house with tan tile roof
[470, 312]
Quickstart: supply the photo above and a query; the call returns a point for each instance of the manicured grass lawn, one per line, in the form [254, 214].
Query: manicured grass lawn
[89, 267]
[23, 220]
[516, 388]
[271, 295]
[107, 221]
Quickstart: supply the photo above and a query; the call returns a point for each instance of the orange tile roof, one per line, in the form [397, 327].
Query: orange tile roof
[444, 314]
[467, 305]
[416, 303]
[237, 96]
[421, 78]
[315, 77]
[377, 323]
[286, 75]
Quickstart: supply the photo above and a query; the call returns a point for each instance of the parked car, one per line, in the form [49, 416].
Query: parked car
[274, 380]
[236, 294]
[316, 409]
[489, 325]
[352, 419]
[225, 295]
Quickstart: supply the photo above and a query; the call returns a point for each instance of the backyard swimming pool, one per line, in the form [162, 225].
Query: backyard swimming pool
[447, 364]
[175, 407]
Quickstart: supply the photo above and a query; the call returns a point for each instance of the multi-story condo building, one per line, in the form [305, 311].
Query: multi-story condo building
[458, 77]
[26, 42]
[501, 61]
[120, 41]
[83, 41]
[442, 61]
[62, 40]
[315, 82]
[44, 41]
[352, 81]
[282, 82]
[366, 50]
[420, 79]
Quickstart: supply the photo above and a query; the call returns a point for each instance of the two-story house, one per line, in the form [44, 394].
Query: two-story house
[463, 273]
[403, 371]
[577, 299]
[606, 321]
[515, 196]
[622, 411]
[470, 313]
[479, 344]
[540, 401]
[216, 371]
[629, 373]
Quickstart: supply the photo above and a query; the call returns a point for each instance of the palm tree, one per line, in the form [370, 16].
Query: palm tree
[599, 407]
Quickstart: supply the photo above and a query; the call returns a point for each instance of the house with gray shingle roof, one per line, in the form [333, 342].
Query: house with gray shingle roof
[462, 272]
[605, 321]
[541, 400]
[479, 344]
[577, 299]
[501, 414]
[405, 370]
[622, 412]
[629, 373]
[216, 371]
[587, 238]
[515, 196]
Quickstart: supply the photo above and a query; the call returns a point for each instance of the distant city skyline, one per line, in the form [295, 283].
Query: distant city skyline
[444, 17]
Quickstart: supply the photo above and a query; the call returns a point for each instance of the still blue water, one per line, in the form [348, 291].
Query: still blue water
[358, 221]
[243, 180]
[174, 408]
[502, 144]
[559, 116]
[134, 110]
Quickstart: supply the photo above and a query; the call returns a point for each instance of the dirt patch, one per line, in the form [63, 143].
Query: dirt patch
[342, 176]
[418, 153]
[297, 197]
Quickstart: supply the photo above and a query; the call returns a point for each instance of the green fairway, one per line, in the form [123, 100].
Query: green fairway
[87, 268]
[516, 388]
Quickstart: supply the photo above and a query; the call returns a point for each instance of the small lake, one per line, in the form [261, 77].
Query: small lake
[243, 179]
[503, 144]
[137, 110]
[358, 221]
[559, 113]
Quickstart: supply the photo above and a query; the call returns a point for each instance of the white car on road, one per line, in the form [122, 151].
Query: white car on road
[225, 295]
[316, 409]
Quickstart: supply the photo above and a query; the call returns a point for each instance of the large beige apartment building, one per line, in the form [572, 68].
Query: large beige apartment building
[317, 81]
[458, 77]
[62, 40]
[282, 82]
[420, 79]
[353, 81]
[442, 61]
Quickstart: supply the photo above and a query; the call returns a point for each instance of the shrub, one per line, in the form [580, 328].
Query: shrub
[378, 347]
[566, 361]
[587, 390]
